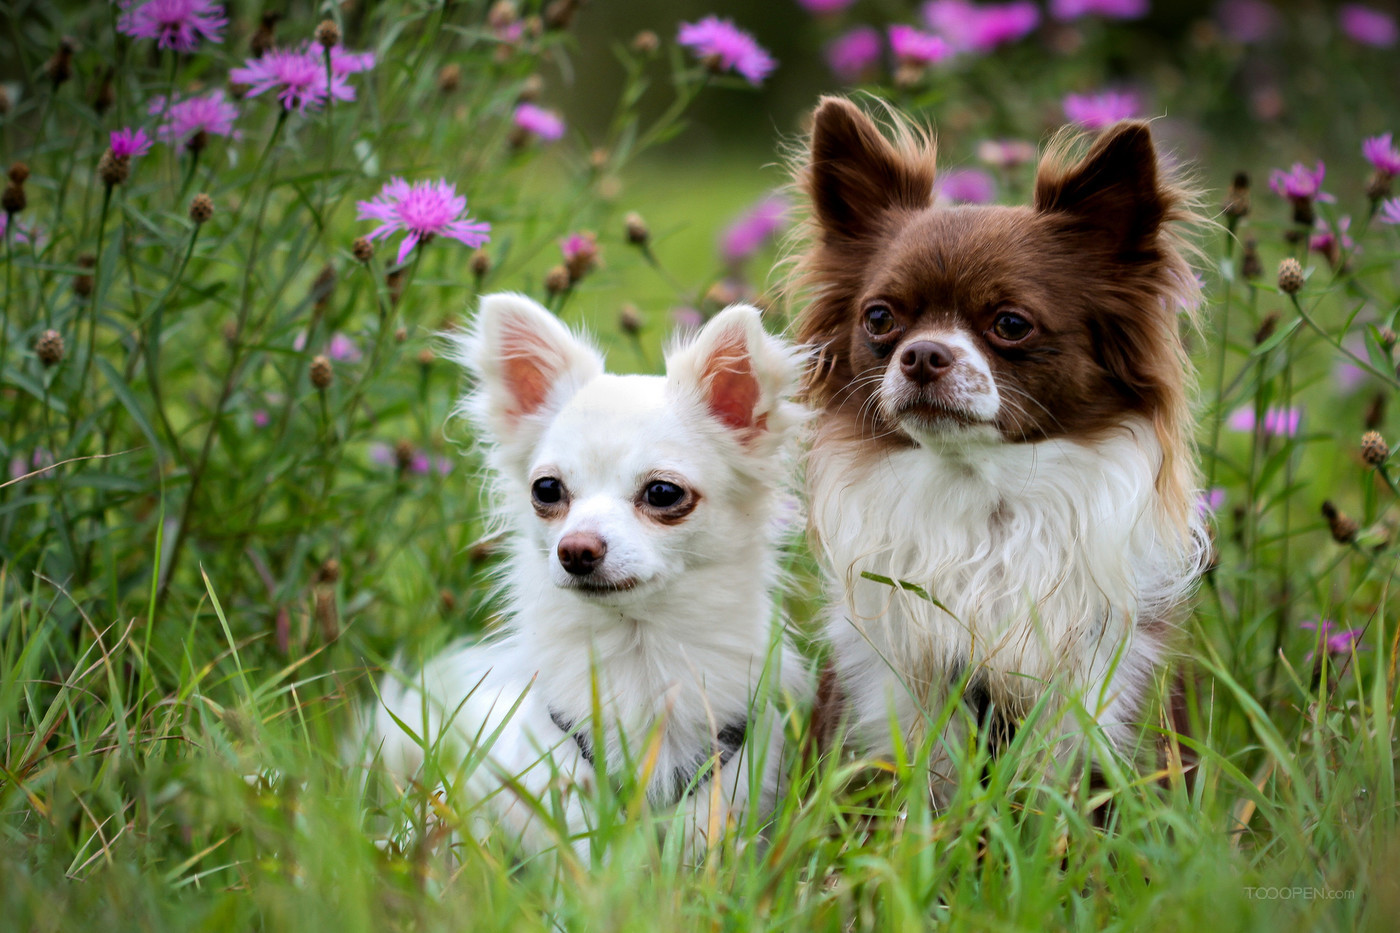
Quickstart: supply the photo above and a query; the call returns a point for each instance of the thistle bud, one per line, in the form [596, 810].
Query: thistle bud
[557, 280]
[329, 571]
[49, 347]
[559, 14]
[323, 287]
[1387, 338]
[629, 320]
[400, 334]
[425, 357]
[1267, 327]
[113, 169]
[83, 282]
[394, 282]
[403, 455]
[19, 173]
[328, 33]
[449, 78]
[1237, 198]
[1374, 450]
[327, 616]
[59, 68]
[530, 89]
[321, 372]
[264, 38]
[638, 233]
[105, 95]
[1342, 526]
[201, 208]
[646, 42]
[1251, 266]
[480, 264]
[1290, 276]
[363, 249]
[1378, 186]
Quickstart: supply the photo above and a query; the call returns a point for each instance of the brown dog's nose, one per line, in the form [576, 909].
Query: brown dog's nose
[581, 552]
[925, 360]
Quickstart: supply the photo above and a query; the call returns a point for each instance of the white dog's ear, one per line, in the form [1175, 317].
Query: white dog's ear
[740, 374]
[527, 366]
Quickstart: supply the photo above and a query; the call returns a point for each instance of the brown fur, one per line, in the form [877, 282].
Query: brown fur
[1096, 263]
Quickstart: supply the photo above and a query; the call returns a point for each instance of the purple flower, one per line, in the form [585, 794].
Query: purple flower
[1210, 501]
[686, 319]
[966, 185]
[1328, 242]
[916, 47]
[415, 461]
[722, 45]
[1005, 153]
[1389, 212]
[261, 418]
[853, 54]
[212, 114]
[343, 63]
[1278, 422]
[755, 227]
[423, 210]
[1247, 21]
[41, 460]
[21, 234]
[128, 143]
[1368, 25]
[980, 28]
[174, 24]
[1384, 157]
[1336, 641]
[1112, 9]
[546, 124]
[298, 77]
[824, 7]
[1096, 111]
[1297, 182]
[340, 348]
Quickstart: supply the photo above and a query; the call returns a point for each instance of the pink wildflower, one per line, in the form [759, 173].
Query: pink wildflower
[753, 229]
[1334, 640]
[128, 143]
[824, 7]
[1005, 153]
[853, 54]
[1210, 501]
[722, 45]
[980, 28]
[298, 77]
[546, 124]
[422, 211]
[1299, 182]
[1247, 21]
[966, 186]
[343, 63]
[1110, 9]
[212, 114]
[1389, 211]
[915, 47]
[1096, 111]
[1368, 25]
[21, 234]
[1278, 422]
[1329, 242]
[174, 24]
[1383, 156]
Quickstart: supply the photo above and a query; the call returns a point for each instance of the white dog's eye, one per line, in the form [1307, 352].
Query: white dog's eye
[547, 490]
[663, 495]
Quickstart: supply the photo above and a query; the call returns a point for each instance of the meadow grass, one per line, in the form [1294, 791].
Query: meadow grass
[210, 543]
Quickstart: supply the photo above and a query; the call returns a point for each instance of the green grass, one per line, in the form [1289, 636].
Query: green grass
[196, 600]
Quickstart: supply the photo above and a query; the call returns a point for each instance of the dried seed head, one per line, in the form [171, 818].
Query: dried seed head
[560, 13]
[363, 249]
[449, 78]
[82, 282]
[1374, 450]
[197, 142]
[1290, 276]
[321, 372]
[530, 89]
[201, 208]
[329, 571]
[1342, 526]
[14, 199]
[19, 173]
[400, 335]
[327, 616]
[394, 282]
[557, 280]
[1237, 198]
[425, 357]
[323, 287]
[106, 94]
[1387, 337]
[264, 38]
[49, 347]
[1251, 266]
[646, 42]
[1267, 327]
[629, 320]
[59, 68]
[113, 169]
[1303, 213]
[403, 455]
[327, 33]
[637, 231]
[480, 264]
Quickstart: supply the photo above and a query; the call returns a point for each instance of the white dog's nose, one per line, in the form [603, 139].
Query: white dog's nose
[581, 552]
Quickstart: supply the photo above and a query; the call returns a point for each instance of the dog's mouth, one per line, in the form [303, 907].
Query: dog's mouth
[601, 588]
[934, 415]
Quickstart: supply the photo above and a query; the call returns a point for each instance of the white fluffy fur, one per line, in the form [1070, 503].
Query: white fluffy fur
[689, 650]
[1056, 561]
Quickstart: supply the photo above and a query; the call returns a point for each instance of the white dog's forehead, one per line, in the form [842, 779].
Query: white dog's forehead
[615, 430]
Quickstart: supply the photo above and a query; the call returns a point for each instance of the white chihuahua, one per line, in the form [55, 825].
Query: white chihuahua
[642, 515]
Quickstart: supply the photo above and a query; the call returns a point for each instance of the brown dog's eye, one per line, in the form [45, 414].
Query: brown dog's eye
[879, 320]
[1011, 327]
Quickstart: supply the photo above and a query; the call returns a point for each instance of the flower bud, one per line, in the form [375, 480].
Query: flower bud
[321, 372]
[328, 33]
[1342, 526]
[1374, 450]
[363, 249]
[201, 208]
[1290, 276]
[637, 231]
[49, 347]
[557, 280]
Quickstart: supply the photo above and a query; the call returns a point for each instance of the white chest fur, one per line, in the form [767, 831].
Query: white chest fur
[1048, 562]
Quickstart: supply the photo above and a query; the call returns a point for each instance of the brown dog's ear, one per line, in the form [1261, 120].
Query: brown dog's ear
[854, 174]
[1113, 189]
